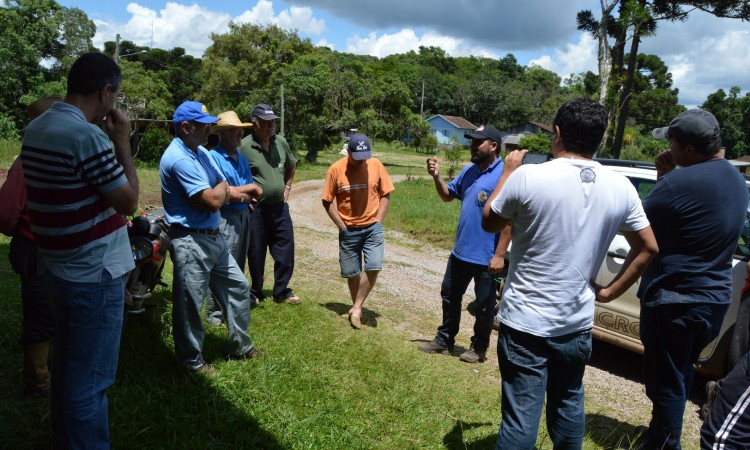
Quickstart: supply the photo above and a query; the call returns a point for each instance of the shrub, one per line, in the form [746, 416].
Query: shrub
[155, 140]
[8, 128]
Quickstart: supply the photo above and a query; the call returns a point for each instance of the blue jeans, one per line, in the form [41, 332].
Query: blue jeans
[87, 342]
[272, 229]
[201, 263]
[673, 337]
[456, 280]
[358, 243]
[531, 366]
[235, 227]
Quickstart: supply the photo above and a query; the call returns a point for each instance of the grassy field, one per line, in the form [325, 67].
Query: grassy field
[320, 386]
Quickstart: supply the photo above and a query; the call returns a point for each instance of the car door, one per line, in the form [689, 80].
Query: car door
[618, 321]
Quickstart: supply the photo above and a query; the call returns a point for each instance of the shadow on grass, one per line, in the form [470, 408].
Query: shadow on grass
[627, 364]
[454, 440]
[607, 432]
[154, 403]
[369, 317]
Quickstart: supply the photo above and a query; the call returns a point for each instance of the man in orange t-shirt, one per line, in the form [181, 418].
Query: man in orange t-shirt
[361, 187]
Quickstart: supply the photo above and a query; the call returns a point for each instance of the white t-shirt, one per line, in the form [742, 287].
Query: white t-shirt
[565, 213]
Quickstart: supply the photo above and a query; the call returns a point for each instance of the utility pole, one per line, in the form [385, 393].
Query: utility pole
[421, 106]
[117, 48]
[282, 110]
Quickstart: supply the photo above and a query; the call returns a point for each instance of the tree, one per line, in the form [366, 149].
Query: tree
[537, 143]
[33, 31]
[144, 94]
[239, 63]
[733, 115]
[640, 16]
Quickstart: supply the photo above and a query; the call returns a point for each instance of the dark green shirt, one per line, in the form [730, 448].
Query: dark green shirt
[268, 168]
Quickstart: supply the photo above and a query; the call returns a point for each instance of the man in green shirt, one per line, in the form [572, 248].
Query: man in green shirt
[272, 165]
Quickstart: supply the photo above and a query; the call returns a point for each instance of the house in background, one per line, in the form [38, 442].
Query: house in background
[445, 127]
[512, 135]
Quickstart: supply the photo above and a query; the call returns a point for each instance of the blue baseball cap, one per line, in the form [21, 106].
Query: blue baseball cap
[189, 111]
[359, 145]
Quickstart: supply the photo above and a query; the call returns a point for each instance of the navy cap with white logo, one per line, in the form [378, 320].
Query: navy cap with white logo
[359, 146]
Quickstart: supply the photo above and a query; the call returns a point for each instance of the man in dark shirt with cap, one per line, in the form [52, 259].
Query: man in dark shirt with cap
[697, 210]
[272, 164]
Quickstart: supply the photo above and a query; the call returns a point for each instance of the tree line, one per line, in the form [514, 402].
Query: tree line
[326, 92]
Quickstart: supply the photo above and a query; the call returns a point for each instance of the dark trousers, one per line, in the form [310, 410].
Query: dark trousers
[271, 227]
[673, 337]
[728, 424]
[456, 280]
[37, 292]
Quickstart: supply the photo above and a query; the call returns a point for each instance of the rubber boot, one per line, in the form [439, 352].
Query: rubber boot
[36, 376]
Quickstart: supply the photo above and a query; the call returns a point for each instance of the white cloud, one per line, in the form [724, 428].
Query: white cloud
[294, 18]
[325, 43]
[405, 40]
[575, 57]
[297, 18]
[190, 26]
[713, 63]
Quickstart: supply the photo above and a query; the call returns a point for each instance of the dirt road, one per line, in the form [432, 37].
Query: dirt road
[406, 299]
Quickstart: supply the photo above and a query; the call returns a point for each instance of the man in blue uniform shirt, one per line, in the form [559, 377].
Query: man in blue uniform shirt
[235, 217]
[477, 255]
[193, 191]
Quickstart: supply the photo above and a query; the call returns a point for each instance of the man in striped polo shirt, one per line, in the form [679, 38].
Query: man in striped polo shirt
[81, 181]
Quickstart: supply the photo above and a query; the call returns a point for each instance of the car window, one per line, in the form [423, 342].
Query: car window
[643, 187]
[743, 245]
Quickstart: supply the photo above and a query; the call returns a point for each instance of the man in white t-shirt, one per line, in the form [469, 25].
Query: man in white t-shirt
[565, 213]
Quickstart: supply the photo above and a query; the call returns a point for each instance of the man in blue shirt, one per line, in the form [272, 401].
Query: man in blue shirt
[697, 209]
[235, 217]
[477, 255]
[193, 191]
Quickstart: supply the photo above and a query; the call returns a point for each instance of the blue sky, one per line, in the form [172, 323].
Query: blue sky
[703, 54]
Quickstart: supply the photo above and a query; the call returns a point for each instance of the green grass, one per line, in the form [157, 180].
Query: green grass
[417, 210]
[8, 151]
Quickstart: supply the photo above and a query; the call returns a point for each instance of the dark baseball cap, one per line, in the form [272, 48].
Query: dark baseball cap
[485, 132]
[694, 126]
[264, 112]
[359, 145]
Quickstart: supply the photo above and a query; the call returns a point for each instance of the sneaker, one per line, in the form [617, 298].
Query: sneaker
[253, 353]
[206, 370]
[435, 347]
[215, 321]
[711, 391]
[472, 357]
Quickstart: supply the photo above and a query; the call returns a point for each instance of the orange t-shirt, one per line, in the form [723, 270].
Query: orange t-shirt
[357, 190]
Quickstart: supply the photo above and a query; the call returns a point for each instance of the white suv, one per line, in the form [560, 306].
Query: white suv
[618, 322]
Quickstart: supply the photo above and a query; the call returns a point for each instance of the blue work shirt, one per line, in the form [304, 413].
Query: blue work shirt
[236, 172]
[185, 173]
[473, 188]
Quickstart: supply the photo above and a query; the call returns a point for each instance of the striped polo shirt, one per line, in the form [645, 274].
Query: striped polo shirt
[68, 164]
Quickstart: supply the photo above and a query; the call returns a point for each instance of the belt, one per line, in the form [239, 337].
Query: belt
[207, 231]
[234, 211]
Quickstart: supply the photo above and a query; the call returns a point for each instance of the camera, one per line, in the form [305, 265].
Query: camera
[536, 158]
